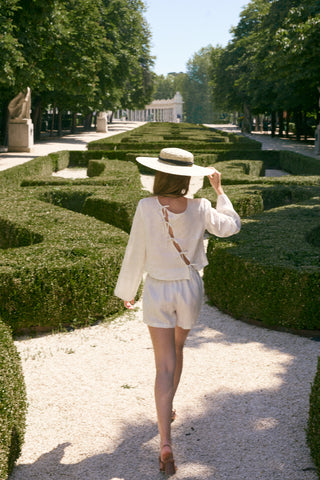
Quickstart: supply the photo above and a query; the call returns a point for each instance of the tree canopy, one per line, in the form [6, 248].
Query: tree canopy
[272, 62]
[193, 86]
[77, 55]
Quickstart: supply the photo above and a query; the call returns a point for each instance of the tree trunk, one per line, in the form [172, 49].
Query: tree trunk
[261, 123]
[74, 123]
[37, 117]
[281, 123]
[287, 124]
[273, 123]
[246, 124]
[59, 123]
[87, 122]
[298, 123]
[258, 124]
[305, 126]
[52, 120]
[4, 123]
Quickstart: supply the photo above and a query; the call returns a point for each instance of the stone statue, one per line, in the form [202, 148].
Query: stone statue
[103, 115]
[102, 122]
[20, 127]
[19, 108]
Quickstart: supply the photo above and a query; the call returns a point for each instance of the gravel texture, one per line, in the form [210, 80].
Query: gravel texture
[242, 404]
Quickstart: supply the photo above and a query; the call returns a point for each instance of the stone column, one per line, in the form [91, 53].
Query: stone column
[20, 135]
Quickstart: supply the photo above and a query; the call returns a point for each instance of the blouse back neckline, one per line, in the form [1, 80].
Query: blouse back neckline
[167, 207]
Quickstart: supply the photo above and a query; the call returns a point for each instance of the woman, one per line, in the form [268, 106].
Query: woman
[166, 241]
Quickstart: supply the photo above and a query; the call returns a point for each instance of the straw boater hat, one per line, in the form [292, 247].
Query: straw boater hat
[176, 161]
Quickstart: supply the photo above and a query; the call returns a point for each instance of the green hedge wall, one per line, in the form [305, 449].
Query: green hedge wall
[13, 403]
[252, 199]
[66, 279]
[269, 272]
[58, 264]
[157, 146]
[313, 430]
[111, 195]
[40, 166]
[154, 137]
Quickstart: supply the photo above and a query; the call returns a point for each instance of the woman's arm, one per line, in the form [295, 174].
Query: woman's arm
[215, 180]
[133, 263]
[222, 221]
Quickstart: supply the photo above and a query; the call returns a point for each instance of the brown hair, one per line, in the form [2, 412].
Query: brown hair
[169, 185]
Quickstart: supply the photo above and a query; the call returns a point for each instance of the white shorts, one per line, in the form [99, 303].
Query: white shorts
[167, 304]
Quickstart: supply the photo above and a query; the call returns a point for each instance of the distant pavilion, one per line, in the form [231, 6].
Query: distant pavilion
[157, 111]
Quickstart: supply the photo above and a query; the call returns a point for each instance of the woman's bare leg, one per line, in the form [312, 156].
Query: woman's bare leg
[165, 361]
[180, 338]
[168, 351]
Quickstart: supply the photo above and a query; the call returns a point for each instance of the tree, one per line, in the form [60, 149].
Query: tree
[197, 95]
[164, 87]
[10, 50]
[130, 82]
[76, 55]
[11, 57]
[271, 64]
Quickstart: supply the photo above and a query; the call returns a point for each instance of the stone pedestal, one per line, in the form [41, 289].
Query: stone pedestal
[20, 135]
[317, 140]
[102, 122]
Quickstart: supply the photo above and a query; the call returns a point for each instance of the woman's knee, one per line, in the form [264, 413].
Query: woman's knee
[166, 367]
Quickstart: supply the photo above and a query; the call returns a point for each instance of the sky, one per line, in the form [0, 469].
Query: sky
[180, 28]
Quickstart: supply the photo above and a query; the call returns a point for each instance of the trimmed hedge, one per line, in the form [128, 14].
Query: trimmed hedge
[291, 162]
[186, 145]
[252, 199]
[112, 205]
[69, 277]
[13, 403]
[111, 196]
[57, 267]
[269, 272]
[40, 166]
[96, 167]
[313, 430]
[154, 137]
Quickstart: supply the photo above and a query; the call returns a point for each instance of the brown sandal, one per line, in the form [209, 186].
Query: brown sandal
[166, 463]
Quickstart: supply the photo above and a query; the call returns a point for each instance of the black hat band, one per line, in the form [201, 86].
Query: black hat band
[176, 162]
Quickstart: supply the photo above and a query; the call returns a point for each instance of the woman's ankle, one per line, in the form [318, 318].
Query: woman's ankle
[165, 444]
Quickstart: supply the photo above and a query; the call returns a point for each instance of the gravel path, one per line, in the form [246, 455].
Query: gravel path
[242, 405]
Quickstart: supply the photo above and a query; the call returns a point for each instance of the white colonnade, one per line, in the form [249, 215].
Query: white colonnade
[170, 110]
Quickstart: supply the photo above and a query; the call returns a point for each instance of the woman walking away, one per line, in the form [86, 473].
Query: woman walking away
[166, 241]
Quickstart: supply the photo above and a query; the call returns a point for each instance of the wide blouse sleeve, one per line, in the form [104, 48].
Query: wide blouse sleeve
[222, 221]
[134, 260]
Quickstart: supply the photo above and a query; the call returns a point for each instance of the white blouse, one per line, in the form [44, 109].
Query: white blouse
[152, 248]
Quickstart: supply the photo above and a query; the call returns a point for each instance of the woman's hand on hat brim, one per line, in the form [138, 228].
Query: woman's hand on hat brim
[215, 180]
